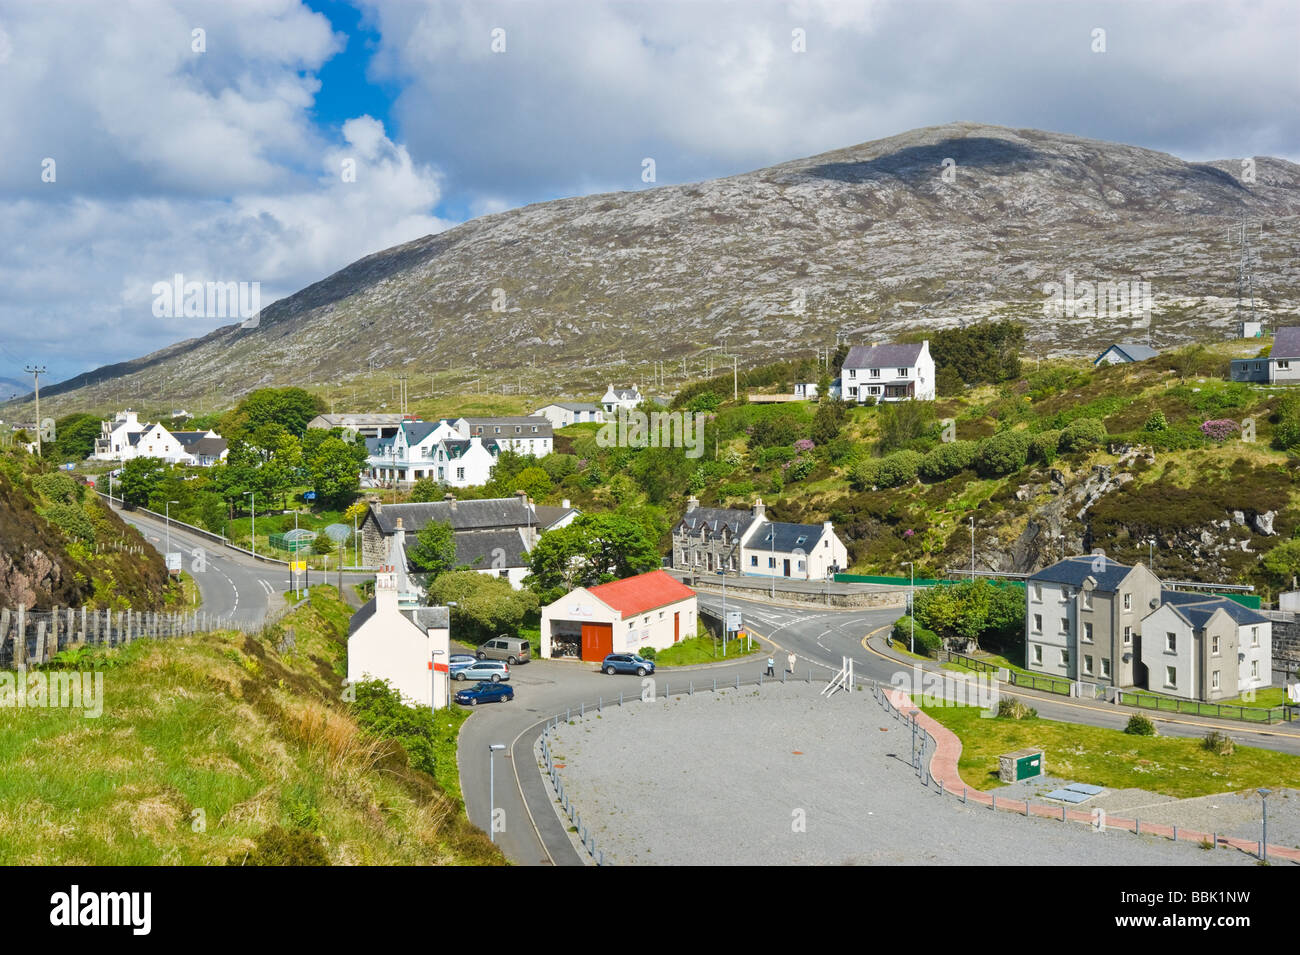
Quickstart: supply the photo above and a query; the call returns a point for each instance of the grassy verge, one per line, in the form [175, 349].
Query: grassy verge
[703, 649]
[1174, 767]
[209, 744]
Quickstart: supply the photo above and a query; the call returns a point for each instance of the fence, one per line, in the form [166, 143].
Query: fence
[34, 637]
[1227, 711]
[919, 581]
[200, 531]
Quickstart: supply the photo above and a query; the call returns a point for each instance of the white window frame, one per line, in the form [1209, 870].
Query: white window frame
[1087, 632]
[1038, 623]
[1087, 665]
[1171, 677]
[1214, 680]
[1128, 601]
[1171, 642]
[1038, 653]
[1128, 636]
[1105, 668]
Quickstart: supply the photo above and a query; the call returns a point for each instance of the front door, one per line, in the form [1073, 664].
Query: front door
[677, 625]
[787, 567]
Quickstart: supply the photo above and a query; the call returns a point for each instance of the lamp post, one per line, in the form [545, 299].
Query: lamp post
[253, 534]
[972, 549]
[1263, 842]
[492, 797]
[167, 521]
[771, 530]
[911, 604]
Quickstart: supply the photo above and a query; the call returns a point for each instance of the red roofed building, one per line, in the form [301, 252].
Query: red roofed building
[622, 616]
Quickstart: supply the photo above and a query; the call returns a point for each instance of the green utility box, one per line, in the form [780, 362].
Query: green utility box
[1022, 764]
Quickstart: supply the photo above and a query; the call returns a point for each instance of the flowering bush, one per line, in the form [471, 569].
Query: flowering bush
[1219, 429]
[804, 444]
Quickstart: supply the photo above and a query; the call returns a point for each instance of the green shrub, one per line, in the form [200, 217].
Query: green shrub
[899, 468]
[1003, 453]
[646, 653]
[1219, 743]
[57, 487]
[1139, 725]
[279, 846]
[72, 520]
[767, 457]
[863, 475]
[1157, 422]
[738, 489]
[1009, 708]
[947, 460]
[927, 642]
[1043, 446]
[1082, 433]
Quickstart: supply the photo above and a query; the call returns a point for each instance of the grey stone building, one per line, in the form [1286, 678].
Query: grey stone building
[708, 539]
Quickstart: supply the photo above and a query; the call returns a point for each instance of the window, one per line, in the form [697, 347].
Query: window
[1038, 654]
[1085, 599]
[1038, 623]
[1105, 667]
[771, 562]
[875, 373]
[1214, 645]
[1087, 665]
[1214, 680]
[904, 372]
[1065, 625]
[1128, 601]
[853, 373]
[1066, 593]
[1128, 636]
[1254, 636]
[1171, 677]
[802, 566]
[1038, 592]
[1283, 364]
[1171, 642]
[753, 560]
[1065, 658]
[460, 474]
[1087, 633]
[1254, 669]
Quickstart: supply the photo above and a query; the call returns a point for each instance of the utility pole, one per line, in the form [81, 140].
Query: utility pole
[36, 371]
[972, 549]
[735, 380]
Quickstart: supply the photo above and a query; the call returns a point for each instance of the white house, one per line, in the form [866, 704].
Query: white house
[1280, 367]
[381, 425]
[530, 435]
[1204, 647]
[615, 398]
[622, 616]
[1123, 353]
[431, 449]
[888, 373]
[561, 414]
[792, 551]
[114, 441]
[127, 437]
[394, 639]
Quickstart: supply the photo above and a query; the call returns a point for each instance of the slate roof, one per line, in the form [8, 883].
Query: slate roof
[1108, 573]
[479, 549]
[633, 595]
[788, 537]
[486, 427]
[572, 405]
[417, 431]
[493, 512]
[1196, 609]
[209, 446]
[1133, 351]
[361, 616]
[550, 514]
[189, 437]
[713, 519]
[1286, 343]
[426, 617]
[883, 356]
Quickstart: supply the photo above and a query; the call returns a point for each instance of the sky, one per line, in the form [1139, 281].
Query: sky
[273, 142]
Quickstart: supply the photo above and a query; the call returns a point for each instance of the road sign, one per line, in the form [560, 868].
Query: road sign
[174, 562]
[298, 566]
[733, 621]
[309, 495]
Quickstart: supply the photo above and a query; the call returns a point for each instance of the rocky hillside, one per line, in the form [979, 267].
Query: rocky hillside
[863, 242]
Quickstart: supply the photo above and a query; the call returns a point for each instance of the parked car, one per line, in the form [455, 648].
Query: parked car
[458, 661]
[485, 693]
[627, 663]
[483, 670]
[511, 649]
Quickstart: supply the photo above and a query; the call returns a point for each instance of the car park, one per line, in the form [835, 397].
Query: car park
[627, 663]
[483, 692]
[511, 649]
[493, 670]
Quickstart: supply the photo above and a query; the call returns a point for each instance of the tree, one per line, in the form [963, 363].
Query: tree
[427, 489]
[593, 549]
[140, 476]
[829, 419]
[290, 407]
[1283, 561]
[1003, 453]
[534, 482]
[986, 352]
[335, 471]
[434, 551]
[485, 605]
[75, 436]
[902, 422]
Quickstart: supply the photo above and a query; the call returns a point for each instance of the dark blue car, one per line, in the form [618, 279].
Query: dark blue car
[484, 692]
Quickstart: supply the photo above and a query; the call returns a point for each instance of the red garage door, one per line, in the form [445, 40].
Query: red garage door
[597, 641]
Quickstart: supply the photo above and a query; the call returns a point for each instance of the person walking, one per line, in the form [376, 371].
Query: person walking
[771, 667]
[790, 661]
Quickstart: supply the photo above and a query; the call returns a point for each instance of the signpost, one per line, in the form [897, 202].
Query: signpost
[174, 562]
[734, 624]
[297, 567]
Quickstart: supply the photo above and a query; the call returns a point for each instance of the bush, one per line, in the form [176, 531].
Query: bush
[799, 468]
[1157, 422]
[1220, 429]
[1044, 446]
[1081, 434]
[1139, 725]
[1010, 708]
[1003, 453]
[863, 475]
[57, 487]
[279, 846]
[902, 422]
[71, 519]
[947, 460]
[1220, 744]
[926, 642]
[899, 468]
[646, 653]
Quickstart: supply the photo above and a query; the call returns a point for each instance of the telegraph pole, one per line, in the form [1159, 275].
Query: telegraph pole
[36, 371]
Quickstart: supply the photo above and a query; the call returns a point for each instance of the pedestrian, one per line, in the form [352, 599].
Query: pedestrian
[790, 661]
[771, 667]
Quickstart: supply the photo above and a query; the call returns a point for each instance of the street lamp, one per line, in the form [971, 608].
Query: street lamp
[167, 520]
[1263, 804]
[253, 535]
[492, 797]
[771, 530]
[972, 549]
[911, 601]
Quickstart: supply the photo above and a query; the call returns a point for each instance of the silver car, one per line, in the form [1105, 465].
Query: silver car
[493, 670]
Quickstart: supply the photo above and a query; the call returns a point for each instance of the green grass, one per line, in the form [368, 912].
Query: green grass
[206, 742]
[1173, 767]
[901, 648]
[702, 650]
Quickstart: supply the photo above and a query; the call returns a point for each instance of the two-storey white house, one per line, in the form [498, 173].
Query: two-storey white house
[888, 373]
[532, 435]
[127, 437]
[561, 414]
[411, 453]
[615, 398]
[1204, 647]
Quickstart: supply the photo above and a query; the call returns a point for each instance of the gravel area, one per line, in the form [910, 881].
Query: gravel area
[780, 775]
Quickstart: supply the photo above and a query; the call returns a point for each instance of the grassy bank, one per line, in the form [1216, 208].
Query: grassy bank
[703, 649]
[209, 745]
[1179, 768]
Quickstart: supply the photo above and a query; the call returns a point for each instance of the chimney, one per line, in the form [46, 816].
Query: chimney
[827, 528]
[565, 503]
[399, 534]
[449, 497]
[386, 591]
[692, 503]
[760, 509]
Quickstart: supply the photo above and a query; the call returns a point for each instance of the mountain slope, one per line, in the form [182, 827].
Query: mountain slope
[864, 241]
